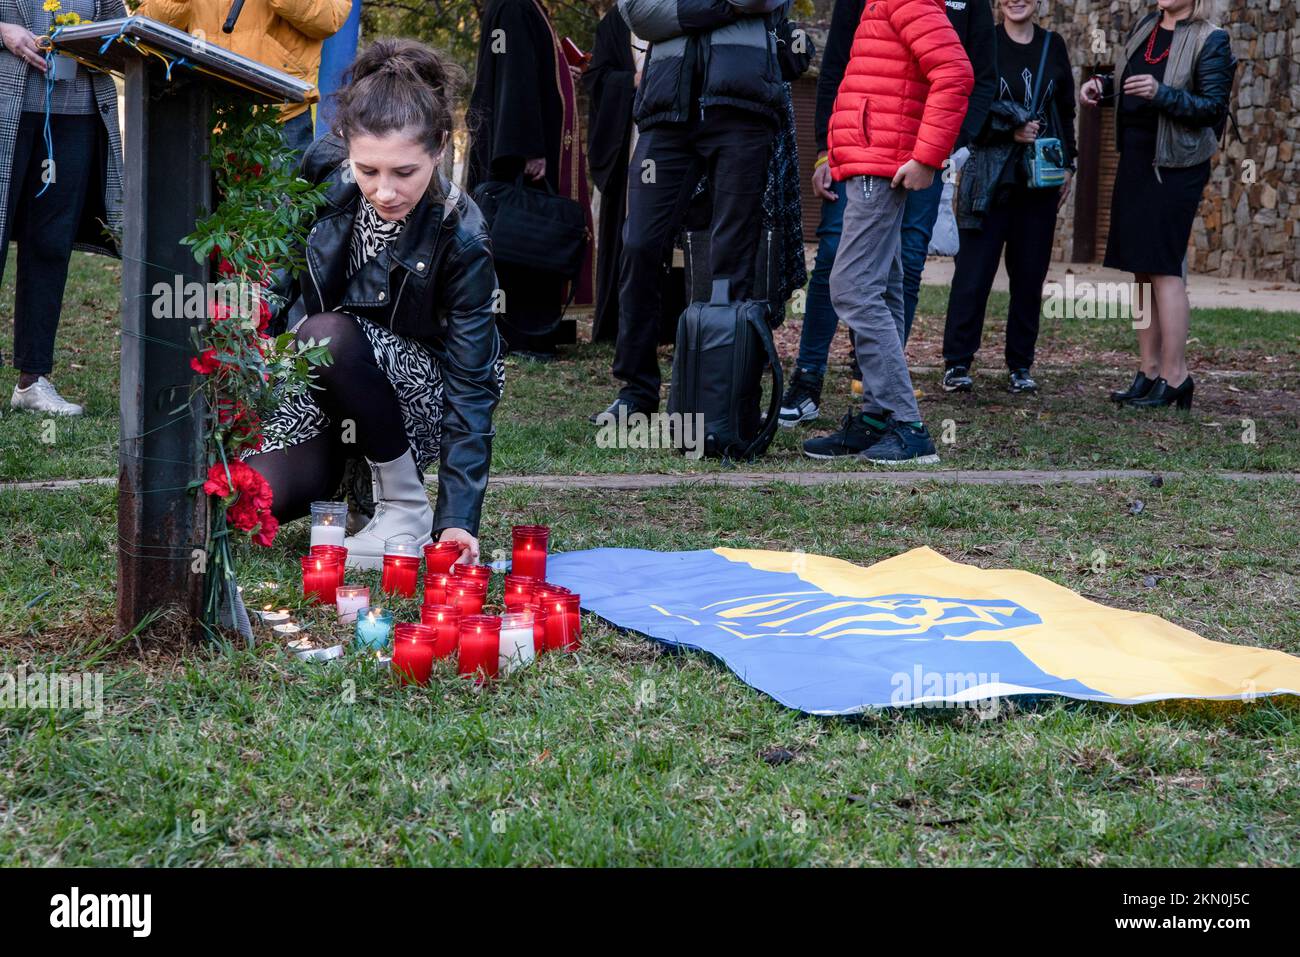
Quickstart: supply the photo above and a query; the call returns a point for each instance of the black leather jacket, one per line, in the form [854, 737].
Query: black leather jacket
[991, 168]
[434, 284]
[1192, 112]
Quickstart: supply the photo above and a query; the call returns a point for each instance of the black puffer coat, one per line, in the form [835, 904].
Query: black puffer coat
[704, 53]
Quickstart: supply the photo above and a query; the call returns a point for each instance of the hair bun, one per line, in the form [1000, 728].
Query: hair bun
[398, 84]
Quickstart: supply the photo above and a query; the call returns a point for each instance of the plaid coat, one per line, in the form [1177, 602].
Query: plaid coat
[104, 201]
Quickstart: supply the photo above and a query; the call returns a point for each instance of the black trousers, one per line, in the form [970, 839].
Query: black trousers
[1024, 223]
[732, 146]
[350, 389]
[44, 228]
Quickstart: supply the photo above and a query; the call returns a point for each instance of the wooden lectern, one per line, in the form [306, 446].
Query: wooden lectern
[171, 79]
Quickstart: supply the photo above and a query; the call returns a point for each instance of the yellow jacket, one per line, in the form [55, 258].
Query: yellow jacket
[284, 34]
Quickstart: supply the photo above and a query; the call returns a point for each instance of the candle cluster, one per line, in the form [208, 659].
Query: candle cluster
[538, 616]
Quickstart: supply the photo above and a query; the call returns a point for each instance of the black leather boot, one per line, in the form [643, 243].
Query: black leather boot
[1162, 394]
[1140, 387]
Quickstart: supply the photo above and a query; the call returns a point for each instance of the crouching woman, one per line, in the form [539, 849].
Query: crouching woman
[399, 280]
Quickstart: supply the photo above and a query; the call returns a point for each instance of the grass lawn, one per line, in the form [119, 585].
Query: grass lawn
[235, 756]
[291, 763]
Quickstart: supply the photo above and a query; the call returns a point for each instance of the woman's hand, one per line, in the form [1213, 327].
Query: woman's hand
[822, 181]
[1143, 85]
[1090, 92]
[535, 168]
[21, 42]
[467, 542]
[1027, 133]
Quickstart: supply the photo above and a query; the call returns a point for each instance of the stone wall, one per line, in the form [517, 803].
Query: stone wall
[1249, 221]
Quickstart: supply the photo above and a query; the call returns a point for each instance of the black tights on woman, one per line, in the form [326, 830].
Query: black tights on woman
[365, 419]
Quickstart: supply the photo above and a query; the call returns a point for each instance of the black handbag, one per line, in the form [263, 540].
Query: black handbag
[534, 227]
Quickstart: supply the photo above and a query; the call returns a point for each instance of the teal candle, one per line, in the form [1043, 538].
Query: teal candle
[374, 629]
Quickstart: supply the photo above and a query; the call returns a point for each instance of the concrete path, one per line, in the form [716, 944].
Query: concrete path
[1205, 292]
[652, 480]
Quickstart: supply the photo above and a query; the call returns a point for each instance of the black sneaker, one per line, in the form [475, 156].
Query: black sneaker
[903, 445]
[957, 379]
[802, 398]
[855, 436]
[1022, 381]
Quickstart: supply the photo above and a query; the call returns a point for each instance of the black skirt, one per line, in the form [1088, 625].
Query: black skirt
[1151, 219]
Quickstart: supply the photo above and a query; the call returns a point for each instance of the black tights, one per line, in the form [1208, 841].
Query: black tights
[364, 419]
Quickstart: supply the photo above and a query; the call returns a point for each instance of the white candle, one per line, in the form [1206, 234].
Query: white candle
[287, 629]
[270, 617]
[327, 534]
[516, 647]
[350, 599]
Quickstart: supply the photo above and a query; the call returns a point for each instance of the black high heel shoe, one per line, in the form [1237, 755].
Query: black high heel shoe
[1163, 394]
[1140, 388]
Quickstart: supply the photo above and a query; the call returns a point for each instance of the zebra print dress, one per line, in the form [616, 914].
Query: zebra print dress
[413, 369]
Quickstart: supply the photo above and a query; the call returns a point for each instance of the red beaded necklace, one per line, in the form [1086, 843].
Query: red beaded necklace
[1151, 48]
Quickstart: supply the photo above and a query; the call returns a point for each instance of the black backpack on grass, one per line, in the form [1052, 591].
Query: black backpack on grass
[723, 350]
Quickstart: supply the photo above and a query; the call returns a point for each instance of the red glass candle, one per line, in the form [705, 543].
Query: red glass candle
[435, 588]
[320, 577]
[540, 615]
[466, 596]
[545, 594]
[413, 652]
[479, 645]
[399, 575]
[573, 611]
[558, 635]
[528, 556]
[519, 591]
[477, 571]
[438, 557]
[445, 621]
[333, 551]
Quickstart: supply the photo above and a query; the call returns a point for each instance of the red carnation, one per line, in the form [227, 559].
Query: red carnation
[217, 483]
[242, 514]
[251, 508]
[206, 362]
[266, 534]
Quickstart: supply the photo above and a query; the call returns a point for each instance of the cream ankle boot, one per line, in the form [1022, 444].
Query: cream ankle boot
[401, 508]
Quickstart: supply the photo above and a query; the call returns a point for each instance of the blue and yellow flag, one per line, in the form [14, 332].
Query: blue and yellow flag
[829, 637]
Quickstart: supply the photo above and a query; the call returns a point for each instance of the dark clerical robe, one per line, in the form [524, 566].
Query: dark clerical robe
[516, 114]
[611, 88]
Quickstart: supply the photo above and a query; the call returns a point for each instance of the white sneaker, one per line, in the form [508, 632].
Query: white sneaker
[41, 396]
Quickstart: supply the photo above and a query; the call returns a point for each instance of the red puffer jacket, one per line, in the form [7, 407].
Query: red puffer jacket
[904, 90]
